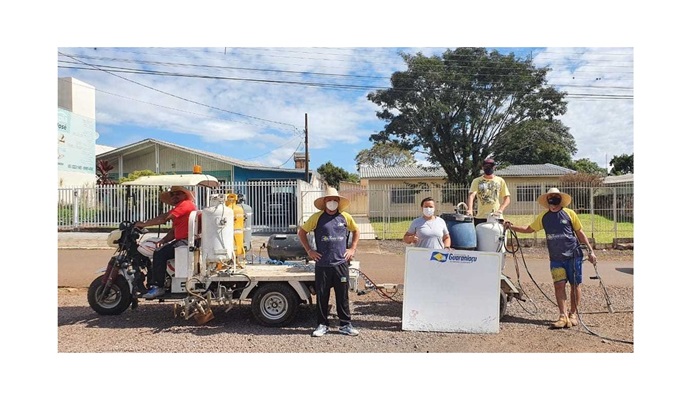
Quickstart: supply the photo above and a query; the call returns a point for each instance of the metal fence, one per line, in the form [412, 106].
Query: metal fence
[382, 211]
[274, 204]
[606, 212]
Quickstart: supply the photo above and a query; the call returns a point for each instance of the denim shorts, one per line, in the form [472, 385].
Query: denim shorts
[570, 270]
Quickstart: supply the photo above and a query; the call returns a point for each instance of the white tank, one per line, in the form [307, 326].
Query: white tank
[490, 236]
[217, 233]
[148, 246]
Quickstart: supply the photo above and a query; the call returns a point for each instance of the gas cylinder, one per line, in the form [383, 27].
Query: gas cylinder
[248, 230]
[490, 236]
[217, 232]
[238, 222]
[461, 228]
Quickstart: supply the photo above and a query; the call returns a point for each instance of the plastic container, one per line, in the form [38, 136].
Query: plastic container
[462, 232]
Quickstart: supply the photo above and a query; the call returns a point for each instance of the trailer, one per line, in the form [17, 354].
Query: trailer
[211, 269]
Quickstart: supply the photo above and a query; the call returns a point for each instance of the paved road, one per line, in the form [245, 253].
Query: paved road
[81, 255]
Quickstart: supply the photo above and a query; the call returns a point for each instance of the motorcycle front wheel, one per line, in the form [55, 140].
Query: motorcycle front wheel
[113, 302]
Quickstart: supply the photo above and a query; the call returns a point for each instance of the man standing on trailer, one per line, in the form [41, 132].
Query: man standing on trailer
[183, 202]
[331, 226]
[564, 233]
[491, 193]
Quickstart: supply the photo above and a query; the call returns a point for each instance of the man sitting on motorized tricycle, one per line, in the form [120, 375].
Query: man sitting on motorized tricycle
[183, 204]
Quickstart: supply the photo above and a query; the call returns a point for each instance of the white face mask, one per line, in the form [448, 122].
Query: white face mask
[428, 211]
[332, 205]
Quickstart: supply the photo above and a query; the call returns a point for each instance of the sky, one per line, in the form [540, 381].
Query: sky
[252, 103]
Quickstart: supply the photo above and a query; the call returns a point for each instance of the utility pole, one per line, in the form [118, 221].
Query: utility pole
[306, 146]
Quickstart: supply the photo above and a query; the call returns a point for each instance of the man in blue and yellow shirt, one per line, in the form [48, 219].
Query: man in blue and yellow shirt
[564, 233]
[331, 226]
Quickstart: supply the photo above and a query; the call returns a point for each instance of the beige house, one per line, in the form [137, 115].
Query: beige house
[397, 191]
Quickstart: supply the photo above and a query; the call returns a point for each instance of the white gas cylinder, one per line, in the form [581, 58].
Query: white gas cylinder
[217, 233]
[490, 235]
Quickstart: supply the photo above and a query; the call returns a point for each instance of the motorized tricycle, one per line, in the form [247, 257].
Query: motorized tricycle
[211, 269]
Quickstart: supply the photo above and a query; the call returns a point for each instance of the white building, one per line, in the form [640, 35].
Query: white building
[76, 133]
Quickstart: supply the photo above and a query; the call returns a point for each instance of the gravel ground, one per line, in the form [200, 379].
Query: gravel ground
[152, 327]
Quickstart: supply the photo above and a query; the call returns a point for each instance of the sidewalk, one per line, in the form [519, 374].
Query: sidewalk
[98, 240]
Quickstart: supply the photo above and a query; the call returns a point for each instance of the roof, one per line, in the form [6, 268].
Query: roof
[421, 172]
[533, 170]
[236, 162]
[401, 172]
[609, 180]
[173, 180]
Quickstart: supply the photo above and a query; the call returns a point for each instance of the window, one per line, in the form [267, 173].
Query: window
[403, 196]
[527, 192]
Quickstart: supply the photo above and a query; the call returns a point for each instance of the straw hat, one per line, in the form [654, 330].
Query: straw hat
[565, 198]
[320, 203]
[165, 196]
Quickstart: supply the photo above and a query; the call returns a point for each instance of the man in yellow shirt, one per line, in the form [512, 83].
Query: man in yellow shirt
[490, 191]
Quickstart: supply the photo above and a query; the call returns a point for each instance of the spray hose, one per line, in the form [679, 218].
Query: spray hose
[372, 286]
[515, 248]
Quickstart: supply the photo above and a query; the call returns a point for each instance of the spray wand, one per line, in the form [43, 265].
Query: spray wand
[605, 292]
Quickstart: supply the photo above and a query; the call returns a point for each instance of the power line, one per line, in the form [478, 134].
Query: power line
[176, 96]
[467, 59]
[300, 83]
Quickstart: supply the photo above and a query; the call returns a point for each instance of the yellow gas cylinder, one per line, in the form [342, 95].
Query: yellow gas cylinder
[238, 222]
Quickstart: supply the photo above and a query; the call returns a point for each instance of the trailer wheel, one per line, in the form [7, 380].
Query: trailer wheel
[275, 304]
[504, 305]
[114, 302]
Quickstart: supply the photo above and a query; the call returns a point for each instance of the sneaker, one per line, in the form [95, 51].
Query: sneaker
[562, 322]
[348, 330]
[154, 292]
[573, 318]
[320, 330]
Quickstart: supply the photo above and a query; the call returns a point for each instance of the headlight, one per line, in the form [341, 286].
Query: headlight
[113, 238]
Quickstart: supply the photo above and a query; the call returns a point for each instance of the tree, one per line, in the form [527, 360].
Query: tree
[334, 175]
[452, 108]
[586, 166]
[387, 154]
[535, 142]
[623, 164]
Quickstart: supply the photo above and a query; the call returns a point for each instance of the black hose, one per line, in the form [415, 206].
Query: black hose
[515, 245]
[371, 285]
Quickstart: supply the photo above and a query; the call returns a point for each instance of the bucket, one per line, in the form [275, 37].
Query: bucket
[462, 232]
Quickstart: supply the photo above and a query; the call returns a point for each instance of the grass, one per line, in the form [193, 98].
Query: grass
[602, 229]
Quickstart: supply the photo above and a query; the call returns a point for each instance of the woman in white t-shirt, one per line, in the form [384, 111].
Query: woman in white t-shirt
[429, 231]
